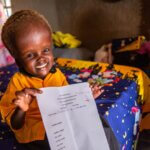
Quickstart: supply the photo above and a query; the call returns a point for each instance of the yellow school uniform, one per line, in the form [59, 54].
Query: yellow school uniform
[33, 128]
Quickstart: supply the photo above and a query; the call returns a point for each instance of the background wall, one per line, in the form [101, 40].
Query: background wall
[46, 7]
[94, 22]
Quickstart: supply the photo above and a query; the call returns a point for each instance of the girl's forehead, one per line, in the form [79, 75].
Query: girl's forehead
[32, 35]
[29, 29]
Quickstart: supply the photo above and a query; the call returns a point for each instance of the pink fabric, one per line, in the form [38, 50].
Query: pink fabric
[5, 57]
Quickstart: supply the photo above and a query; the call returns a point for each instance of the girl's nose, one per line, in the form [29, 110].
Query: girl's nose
[40, 58]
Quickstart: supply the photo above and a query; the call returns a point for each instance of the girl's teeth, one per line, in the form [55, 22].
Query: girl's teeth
[41, 66]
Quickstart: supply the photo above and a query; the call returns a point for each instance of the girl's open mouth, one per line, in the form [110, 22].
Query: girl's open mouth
[41, 66]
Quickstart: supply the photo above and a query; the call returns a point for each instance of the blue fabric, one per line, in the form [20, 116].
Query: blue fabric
[120, 116]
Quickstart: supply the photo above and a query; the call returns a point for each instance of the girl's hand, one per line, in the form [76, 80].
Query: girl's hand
[96, 90]
[24, 98]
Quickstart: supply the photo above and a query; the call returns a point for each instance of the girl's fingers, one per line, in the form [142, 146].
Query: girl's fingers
[101, 91]
[28, 91]
[32, 91]
[96, 87]
[16, 102]
[20, 93]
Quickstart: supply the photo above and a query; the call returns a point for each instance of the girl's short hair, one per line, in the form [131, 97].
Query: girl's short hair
[14, 23]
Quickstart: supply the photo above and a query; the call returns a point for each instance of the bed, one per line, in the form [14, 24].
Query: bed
[125, 89]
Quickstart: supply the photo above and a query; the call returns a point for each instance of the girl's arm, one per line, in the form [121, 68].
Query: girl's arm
[17, 119]
[22, 101]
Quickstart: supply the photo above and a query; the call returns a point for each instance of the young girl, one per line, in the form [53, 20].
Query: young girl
[28, 37]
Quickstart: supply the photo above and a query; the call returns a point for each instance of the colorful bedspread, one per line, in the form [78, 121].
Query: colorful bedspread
[125, 88]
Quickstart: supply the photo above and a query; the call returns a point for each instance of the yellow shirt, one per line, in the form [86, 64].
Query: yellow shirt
[33, 128]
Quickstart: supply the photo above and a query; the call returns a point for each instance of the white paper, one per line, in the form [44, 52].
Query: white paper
[71, 118]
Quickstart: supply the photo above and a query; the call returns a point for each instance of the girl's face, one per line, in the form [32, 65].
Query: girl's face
[34, 50]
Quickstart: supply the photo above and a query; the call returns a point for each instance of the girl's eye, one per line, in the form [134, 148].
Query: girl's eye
[46, 50]
[30, 56]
